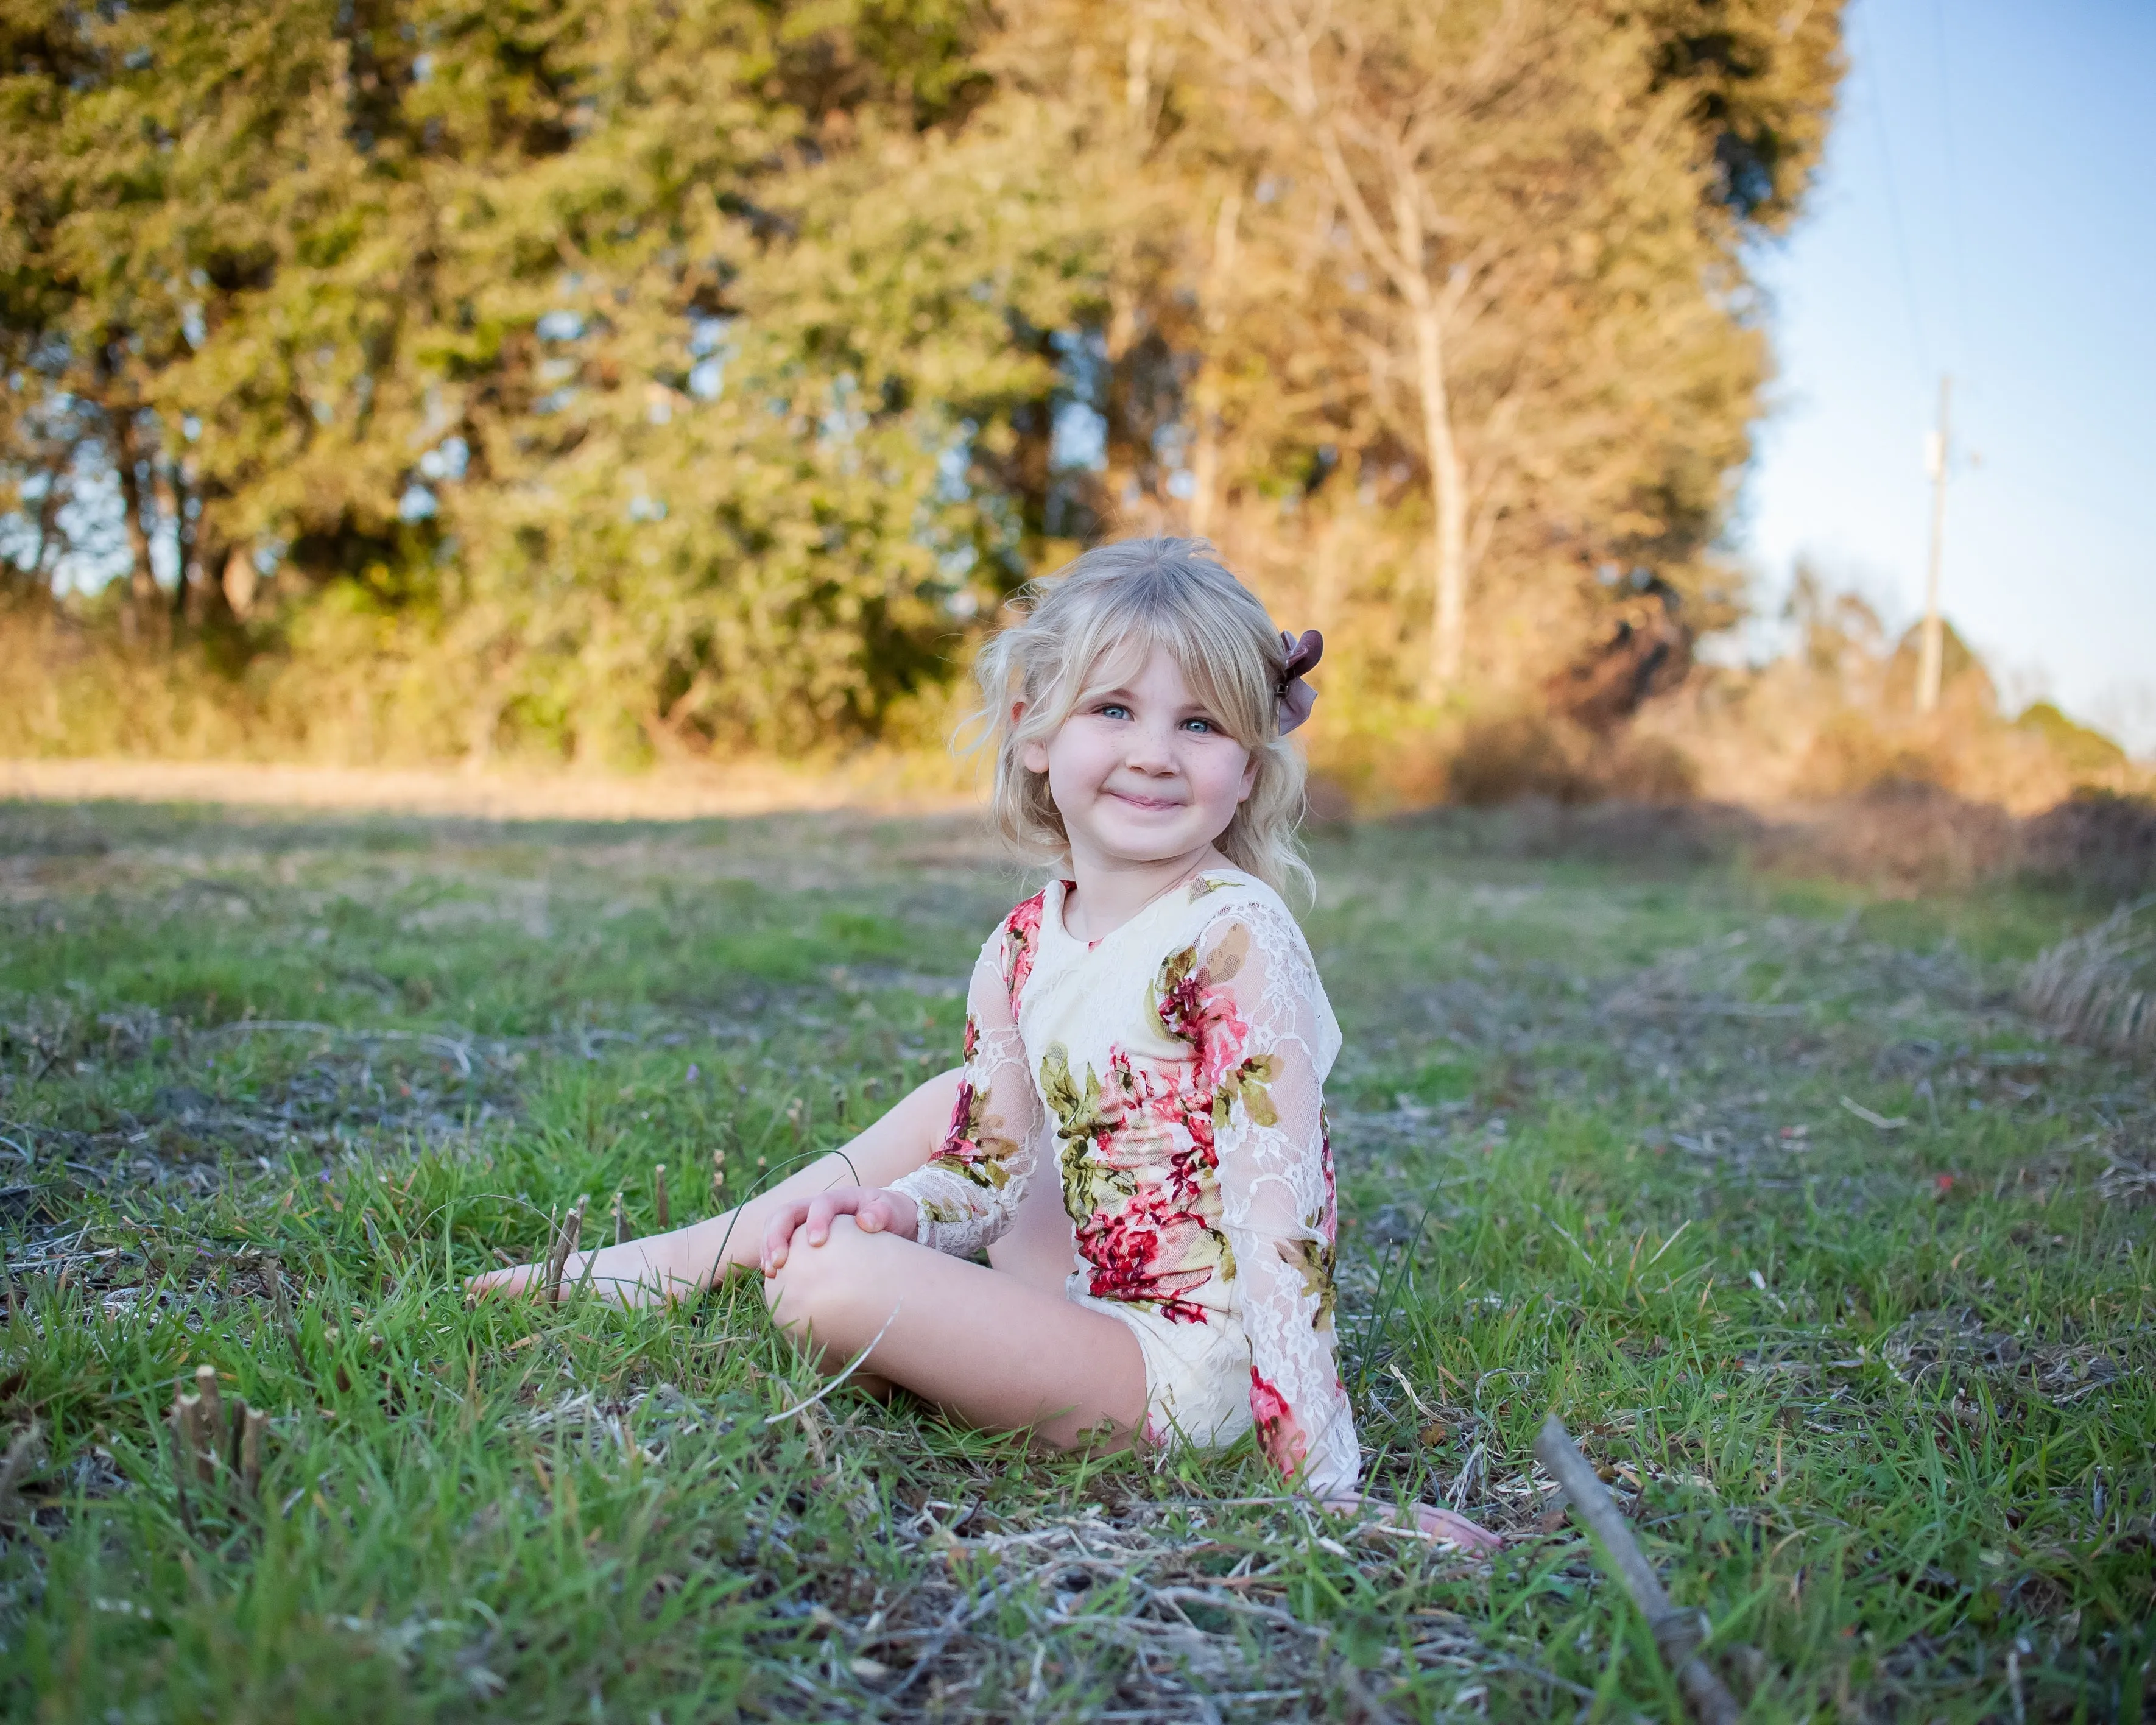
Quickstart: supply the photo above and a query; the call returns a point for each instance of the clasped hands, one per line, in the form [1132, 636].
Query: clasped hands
[875, 1210]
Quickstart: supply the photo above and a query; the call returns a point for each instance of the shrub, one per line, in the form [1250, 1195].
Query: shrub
[1503, 759]
[1648, 769]
[2096, 840]
[1900, 835]
[2078, 748]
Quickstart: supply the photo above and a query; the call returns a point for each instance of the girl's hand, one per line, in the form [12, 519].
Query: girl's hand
[1431, 1522]
[874, 1210]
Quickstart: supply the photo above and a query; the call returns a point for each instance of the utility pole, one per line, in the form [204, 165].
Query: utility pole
[1936, 449]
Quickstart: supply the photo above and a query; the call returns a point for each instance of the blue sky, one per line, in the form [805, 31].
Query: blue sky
[1984, 210]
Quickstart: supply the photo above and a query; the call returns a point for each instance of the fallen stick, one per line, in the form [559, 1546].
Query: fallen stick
[620, 1217]
[1677, 1633]
[659, 1196]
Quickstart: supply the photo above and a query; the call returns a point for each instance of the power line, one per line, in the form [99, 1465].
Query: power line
[1953, 178]
[1872, 87]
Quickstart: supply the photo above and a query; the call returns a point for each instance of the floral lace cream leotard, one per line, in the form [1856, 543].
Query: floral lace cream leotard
[1173, 1071]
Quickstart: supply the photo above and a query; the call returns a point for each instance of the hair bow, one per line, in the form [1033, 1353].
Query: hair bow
[1295, 697]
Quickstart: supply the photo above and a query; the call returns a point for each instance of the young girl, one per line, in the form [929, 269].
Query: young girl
[1138, 1136]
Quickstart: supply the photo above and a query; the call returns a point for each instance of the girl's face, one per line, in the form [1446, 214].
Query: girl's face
[1140, 772]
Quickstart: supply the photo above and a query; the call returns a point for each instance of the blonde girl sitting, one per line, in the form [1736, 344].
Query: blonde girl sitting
[1138, 1136]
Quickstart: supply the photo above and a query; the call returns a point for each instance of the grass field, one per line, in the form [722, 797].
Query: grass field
[1840, 1267]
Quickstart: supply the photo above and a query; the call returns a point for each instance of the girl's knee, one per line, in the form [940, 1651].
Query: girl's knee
[818, 1285]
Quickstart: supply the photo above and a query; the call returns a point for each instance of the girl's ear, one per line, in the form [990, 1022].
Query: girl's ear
[1249, 777]
[1033, 757]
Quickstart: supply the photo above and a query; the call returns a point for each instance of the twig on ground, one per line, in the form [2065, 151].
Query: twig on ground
[553, 1245]
[1677, 1633]
[217, 1449]
[1870, 1118]
[961, 1616]
[1249, 1607]
[565, 1245]
[207, 1410]
[659, 1196]
[457, 1052]
[842, 1377]
[253, 1422]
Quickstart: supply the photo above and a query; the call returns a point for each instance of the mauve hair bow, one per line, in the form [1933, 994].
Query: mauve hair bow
[1296, 697]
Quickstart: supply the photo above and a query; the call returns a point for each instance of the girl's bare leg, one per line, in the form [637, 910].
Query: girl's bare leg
[994, 1351]
[688, 1261]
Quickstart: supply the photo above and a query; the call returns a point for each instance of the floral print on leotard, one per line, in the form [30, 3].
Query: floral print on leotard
[1173, 1072]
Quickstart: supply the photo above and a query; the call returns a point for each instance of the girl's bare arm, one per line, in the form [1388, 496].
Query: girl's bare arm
[690, 1260]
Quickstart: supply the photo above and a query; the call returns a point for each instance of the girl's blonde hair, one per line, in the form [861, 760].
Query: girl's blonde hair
[1090, 623]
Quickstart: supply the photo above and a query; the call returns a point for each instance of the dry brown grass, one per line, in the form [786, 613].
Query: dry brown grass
[1899, 839]
[2099, 987]
[1784, 735]
[920, 784]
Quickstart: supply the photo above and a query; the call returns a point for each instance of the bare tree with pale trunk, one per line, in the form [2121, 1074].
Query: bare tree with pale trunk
[1510, 210]
[1377, 118]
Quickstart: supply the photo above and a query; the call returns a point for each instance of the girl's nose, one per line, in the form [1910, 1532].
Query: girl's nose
[1150, 750]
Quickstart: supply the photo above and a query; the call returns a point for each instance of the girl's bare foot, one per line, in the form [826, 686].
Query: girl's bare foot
[1429, 1520]
[638, 1272]
[1457, 1529]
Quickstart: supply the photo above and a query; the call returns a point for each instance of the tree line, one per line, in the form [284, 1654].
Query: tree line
[611, 379]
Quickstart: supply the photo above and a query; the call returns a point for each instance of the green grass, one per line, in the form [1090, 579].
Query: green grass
[1879, 1398]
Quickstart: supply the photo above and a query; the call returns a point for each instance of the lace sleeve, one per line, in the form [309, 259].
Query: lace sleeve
[968, 1192]
[1277, 1189]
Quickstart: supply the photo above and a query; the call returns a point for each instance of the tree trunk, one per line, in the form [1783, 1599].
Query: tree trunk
[1448, 484]
[1204, 472]
[48, 515]
[1403, 255]
[1324, 600]
[172, 495]
[1205, 458]
[1128, 444]
[146, 617]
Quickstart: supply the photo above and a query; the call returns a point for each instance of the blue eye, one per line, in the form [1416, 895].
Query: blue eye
[1115, 709]
[1204, 726]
